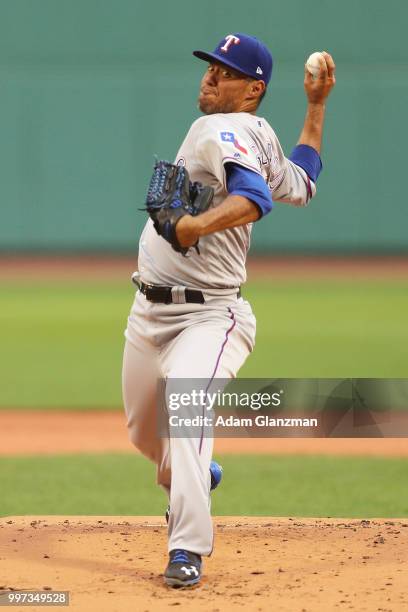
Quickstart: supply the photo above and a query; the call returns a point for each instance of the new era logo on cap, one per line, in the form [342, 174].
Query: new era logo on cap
[244, 53]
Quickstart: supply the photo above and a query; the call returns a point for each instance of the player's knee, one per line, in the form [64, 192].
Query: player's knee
[134, 437]
[164, 476]
[144, 444]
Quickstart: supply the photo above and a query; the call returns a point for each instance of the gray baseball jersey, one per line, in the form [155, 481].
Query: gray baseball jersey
[199, 341]
[211, 142]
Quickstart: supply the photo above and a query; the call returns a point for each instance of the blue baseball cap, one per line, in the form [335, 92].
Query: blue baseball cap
[244, 53]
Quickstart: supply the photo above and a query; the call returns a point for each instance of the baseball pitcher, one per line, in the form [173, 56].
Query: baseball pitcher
[188, 319]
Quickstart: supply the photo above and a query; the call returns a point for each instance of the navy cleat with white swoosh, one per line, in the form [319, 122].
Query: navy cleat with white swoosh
[183, 569]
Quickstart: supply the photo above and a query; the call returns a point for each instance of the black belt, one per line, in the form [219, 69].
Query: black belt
[173, 295]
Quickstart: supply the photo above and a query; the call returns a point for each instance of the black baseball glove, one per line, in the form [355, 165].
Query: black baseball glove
[171, 195]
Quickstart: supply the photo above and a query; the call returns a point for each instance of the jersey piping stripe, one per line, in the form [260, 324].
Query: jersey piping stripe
[227, 333]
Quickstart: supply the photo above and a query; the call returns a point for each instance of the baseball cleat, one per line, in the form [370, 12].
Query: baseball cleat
[216, 476]
[183, 569]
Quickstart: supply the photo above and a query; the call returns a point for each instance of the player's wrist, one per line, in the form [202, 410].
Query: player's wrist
[186, 231]
[318, 105]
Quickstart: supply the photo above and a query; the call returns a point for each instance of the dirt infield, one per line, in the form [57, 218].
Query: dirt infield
[47, 432]
[272, 267]
[281, 564]
[115, 564]
[286, 565]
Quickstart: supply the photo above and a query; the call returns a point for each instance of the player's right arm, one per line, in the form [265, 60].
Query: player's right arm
[301, 170]
[317, 91]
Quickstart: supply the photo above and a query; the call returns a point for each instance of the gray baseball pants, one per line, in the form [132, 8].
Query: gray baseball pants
[189, 341]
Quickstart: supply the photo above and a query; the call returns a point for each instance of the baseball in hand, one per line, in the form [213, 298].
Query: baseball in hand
[313, 64]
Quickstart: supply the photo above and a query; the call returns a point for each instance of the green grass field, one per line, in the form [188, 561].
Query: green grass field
[265, 485]
[62, 348]
[62, 342]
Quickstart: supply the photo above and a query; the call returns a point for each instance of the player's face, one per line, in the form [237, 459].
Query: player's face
[222, 90]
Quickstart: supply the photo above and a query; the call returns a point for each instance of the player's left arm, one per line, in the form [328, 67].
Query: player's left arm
[233, 211]
[249, 199]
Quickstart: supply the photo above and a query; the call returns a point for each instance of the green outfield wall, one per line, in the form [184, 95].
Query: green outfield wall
[90, 90]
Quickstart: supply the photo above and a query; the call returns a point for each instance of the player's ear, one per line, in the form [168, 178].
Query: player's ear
[260, 86]
[257, 89]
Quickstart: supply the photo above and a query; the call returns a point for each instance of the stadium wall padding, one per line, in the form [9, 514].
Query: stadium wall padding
[91, 90]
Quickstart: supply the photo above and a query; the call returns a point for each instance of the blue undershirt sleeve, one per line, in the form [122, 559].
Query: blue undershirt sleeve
[244, 182]
[307, 158]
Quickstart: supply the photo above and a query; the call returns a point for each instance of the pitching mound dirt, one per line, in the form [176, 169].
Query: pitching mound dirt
[289, 565]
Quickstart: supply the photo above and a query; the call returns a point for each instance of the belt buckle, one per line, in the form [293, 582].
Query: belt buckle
[178, 294]
[148, 292]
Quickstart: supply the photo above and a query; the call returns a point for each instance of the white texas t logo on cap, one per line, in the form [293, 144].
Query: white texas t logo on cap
[230, 39]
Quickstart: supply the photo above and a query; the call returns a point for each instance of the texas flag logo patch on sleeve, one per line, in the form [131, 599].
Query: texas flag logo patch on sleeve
[230, 137]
